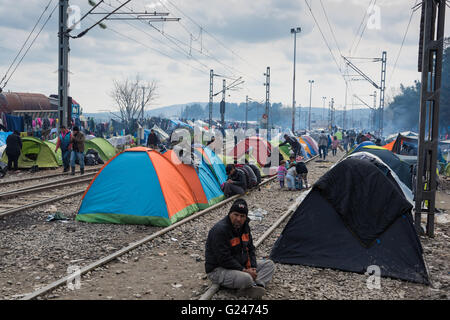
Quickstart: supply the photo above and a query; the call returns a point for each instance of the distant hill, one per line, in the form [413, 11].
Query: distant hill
[167, 112]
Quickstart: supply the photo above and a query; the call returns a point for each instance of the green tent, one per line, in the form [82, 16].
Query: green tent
[58, 154]
[37, 152]
[104, 148]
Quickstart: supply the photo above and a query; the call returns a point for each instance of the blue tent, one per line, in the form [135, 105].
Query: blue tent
[3, 136]
[363, 144]
[210, 185]
[214, 163]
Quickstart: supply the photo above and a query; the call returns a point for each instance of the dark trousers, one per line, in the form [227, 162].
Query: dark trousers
[230, 189]
[65, 158]
[322, 152]
[13, 159]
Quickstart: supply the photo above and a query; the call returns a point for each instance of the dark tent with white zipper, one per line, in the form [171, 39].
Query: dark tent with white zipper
[355, 216]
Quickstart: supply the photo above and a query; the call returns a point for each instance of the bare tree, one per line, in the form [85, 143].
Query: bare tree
[132, 97]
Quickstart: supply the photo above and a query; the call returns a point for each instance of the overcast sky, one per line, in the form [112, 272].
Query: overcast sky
[235, 38]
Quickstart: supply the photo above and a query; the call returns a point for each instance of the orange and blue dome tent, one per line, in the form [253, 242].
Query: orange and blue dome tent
[138, 186]
[312, 144]
[204, 185]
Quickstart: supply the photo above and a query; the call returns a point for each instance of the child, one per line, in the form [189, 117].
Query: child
[290, 177]
[302, 172]
[334, 145]
[281, 173]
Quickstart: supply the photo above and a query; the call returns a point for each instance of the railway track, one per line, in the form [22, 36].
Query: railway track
[17, 200]
[42, 177]
[100, 262]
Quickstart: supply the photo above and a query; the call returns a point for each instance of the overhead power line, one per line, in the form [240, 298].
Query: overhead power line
[403, 41]
[29, 47]
[24, 44]
[325, 40]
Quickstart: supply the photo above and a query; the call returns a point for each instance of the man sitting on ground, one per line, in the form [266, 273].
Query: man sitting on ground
[236, 183]
[230, 259]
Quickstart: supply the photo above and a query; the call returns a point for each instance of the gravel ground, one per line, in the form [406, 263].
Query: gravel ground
[168, 256]
[34, 253]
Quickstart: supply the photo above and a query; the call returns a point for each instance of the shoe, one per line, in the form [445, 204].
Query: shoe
[73, 171]
[82, 171]
[66, 169]
[255, 292]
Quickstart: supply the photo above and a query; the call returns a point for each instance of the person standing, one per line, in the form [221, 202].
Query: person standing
[77, 141]
[65, 145]
[281, 173]
[323, 143]
[230, 256]
[153, 140]
[13, 149]
[334, 145]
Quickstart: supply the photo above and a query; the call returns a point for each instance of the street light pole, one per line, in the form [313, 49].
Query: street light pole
[310, 99]
[294, 31]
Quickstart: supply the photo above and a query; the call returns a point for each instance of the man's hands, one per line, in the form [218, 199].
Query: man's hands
[252, 272]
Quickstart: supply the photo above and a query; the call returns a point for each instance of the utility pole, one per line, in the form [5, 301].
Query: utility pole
[332, 113]
[267, 84]
[222, 105]
[310, 100]
[382, 89]
[246, 112]
[294, 31]
[211, 82]
[373, 112]
[323, 109]
[63, 64]
[344, 120]
[430, 52]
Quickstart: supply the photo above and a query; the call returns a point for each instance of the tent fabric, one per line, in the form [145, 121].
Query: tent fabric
[389, 146]
[350, 187]
[316, 236]
[308, 147]
[36, 152]
[214, 163]
[312, 143]
[385, 168]
[362, 144]
[58, 154]
[190, 176]
[137, 186]
[401, 168]
[3, 136]
[104, 148]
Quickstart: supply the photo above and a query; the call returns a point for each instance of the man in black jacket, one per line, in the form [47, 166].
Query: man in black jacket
[153, 140]
[13, 149]
[294, 143]
[230, 259]
[236, 183]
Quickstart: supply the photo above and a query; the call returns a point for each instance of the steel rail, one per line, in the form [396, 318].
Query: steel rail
[44, 177]
[45, 186]
[135, 245]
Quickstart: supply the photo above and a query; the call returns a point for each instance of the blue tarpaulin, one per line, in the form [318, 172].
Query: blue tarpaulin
[3, 136]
